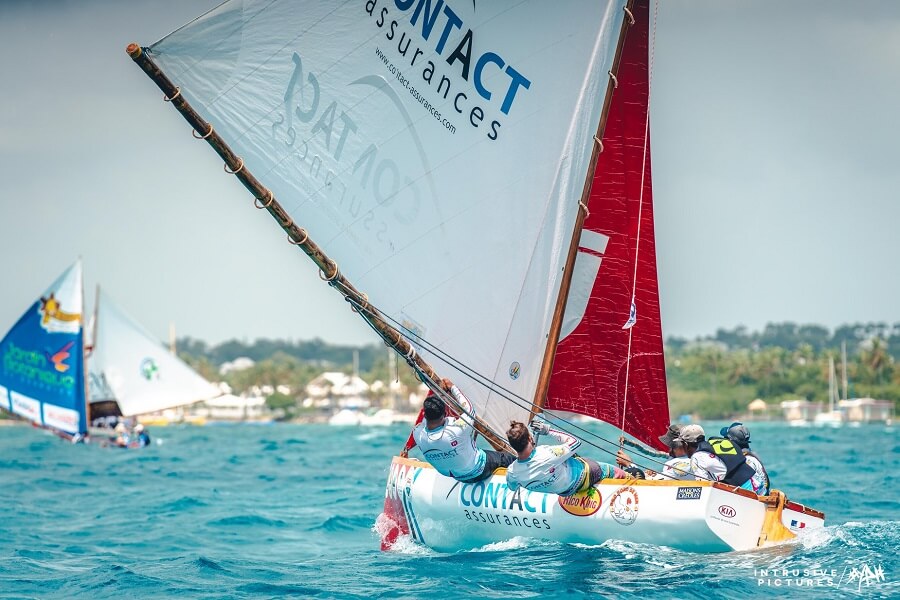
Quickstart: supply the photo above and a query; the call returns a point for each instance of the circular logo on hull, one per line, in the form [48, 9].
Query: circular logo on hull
[623, 506]
[582, 504]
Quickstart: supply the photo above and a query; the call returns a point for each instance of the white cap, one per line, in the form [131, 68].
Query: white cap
[691, 434]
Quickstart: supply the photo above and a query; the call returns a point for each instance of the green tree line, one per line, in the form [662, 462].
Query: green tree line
[715, 376]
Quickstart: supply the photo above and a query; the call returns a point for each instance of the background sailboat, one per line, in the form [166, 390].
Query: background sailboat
[44, 364]
[832, 418]
[42, 370]
[450, 159]
[132, 373]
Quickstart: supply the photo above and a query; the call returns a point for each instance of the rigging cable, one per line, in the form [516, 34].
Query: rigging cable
[484, 381]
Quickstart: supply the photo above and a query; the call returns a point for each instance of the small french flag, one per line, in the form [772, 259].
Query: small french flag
[797, 524]
[632, 316]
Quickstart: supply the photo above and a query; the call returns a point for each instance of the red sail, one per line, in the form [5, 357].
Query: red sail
[591, 372]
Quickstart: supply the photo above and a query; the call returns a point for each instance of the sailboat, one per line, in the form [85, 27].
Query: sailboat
[131, 373]
[54, 378]
[832, 418]
[42, 372]
[474, 179]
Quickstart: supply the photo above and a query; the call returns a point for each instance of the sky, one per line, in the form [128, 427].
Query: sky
[775, 148]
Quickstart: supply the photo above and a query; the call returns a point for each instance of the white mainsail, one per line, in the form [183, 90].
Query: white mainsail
[129, 365]
[393, 133]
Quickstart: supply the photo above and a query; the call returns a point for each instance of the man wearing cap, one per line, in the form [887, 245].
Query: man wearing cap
[448, 443]
[143, 438]
[716, 460]
[678, 465]
[739, 435]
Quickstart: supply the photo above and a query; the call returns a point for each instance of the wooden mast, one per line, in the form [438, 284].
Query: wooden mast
[328, 269]
[85, 353]
[540, 392]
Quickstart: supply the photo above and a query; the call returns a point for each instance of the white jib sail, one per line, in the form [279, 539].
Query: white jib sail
[137, 371]
[437, 151]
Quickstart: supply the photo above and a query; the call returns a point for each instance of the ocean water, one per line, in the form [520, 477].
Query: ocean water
[250, 511]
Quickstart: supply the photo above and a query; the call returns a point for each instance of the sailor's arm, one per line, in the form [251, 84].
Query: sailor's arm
[468, 411]
[569, 443]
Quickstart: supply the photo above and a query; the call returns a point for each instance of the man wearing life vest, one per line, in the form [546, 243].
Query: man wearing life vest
[717, 459]
[740, 436]
[448, 443]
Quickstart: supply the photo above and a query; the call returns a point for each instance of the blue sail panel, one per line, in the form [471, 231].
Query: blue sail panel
[42, 359]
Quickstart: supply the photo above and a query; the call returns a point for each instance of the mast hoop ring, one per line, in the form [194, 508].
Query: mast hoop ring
[236, 171]
[202, 137]
[299, 242]
[411, 355]
[333, 276]
[587, 212]
[362, 307]
[268, 201]
[175, 95]
[599, 143]
[630, 15]
[615, 80]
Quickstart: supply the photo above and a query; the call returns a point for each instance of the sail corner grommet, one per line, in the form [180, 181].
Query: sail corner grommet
[204, 136]
[235, 171]
[175, 95]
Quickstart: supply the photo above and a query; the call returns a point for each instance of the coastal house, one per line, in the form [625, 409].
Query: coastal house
[334, 388]
[797, 411]
[867, 410]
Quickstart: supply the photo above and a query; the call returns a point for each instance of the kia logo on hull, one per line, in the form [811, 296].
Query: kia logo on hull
[727, 511]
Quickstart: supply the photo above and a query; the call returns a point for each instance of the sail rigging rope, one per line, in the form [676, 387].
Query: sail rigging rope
[556, 419]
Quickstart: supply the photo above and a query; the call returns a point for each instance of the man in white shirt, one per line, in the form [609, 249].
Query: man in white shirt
[552, 469]
[677, 465]
[448, 443]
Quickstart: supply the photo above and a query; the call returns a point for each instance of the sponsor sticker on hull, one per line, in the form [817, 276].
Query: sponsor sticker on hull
[623, 506]
[689, 493]
[582, 504]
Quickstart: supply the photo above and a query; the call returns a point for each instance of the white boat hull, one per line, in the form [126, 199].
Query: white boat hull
[697, 516]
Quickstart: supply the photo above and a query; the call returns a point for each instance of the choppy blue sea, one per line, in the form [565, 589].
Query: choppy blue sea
[249, 511]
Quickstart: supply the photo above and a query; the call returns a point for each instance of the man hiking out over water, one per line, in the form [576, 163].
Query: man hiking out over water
[448, 443]
[553, 469]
